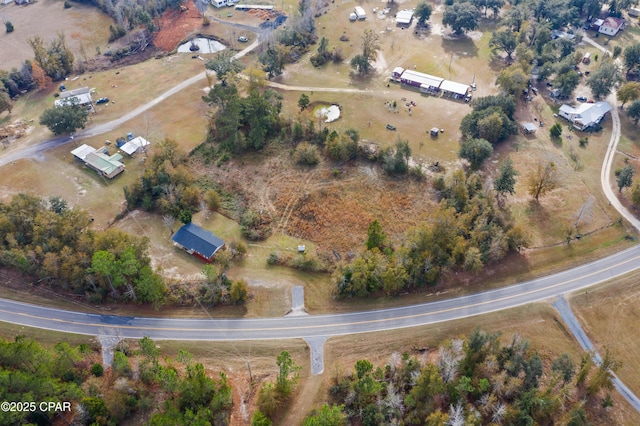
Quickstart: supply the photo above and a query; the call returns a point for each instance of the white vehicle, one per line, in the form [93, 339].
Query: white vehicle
[360, 13]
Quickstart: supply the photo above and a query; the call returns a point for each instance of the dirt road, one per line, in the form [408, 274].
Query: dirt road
[35, 151]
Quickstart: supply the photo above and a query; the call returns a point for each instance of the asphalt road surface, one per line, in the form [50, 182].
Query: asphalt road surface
[323, 325]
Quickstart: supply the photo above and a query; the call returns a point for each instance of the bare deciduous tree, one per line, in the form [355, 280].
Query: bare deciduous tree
[542, 179]
[169, 221]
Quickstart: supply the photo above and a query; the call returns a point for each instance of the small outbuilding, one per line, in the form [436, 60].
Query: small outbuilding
[197, 241]
[404, 17]
[529, 128]
[396, 74]
[134, 145]
[434, 132]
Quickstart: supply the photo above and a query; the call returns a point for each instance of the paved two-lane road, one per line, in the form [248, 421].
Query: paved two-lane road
[324, 325]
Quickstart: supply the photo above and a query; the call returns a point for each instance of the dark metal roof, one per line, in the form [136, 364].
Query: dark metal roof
[192, 237]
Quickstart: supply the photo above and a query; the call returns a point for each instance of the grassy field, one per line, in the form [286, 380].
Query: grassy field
[609, 314]
[82, 25]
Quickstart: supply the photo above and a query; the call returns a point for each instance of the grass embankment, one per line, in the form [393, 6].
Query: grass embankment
[609, 315]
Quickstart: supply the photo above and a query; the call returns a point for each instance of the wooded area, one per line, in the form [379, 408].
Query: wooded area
[55, 245]
[472, 381]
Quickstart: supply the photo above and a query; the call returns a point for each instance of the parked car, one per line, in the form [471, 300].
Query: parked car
[243, 39]
[391, 127]
[549, 84]
[582, 98]
[102, 101]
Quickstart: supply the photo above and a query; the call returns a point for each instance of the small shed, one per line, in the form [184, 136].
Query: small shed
[529, 128]
[197, 242]
[586, 58]
[134, 145]
[404, 17]
[434, 132]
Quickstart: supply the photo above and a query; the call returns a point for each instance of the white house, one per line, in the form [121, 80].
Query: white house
[454, 89]
[585, 115]
[218, 3]
[611, 26]
[80, 97]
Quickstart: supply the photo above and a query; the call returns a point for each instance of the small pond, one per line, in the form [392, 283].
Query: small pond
[205, 46]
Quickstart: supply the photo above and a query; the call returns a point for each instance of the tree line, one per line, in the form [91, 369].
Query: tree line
[472, 381]
[167, 391]
[130, 14]
[55, 245]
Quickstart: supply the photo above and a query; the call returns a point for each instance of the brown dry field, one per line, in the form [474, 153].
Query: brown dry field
[609, 315]
[81, 24]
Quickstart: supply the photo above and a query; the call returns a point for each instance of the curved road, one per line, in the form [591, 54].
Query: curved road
[323, 325]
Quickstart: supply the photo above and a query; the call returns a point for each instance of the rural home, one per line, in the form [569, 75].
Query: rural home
[585, 115]
[197, 242]
[634, 11]
[430, 84]
[135, 145]
[425, 82]
[404, 17]
[219, 3]
[80, 97]
[611, 26]
[99, 160]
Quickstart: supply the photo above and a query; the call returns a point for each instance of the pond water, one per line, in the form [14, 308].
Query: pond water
[206, 46]
[328, 112]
